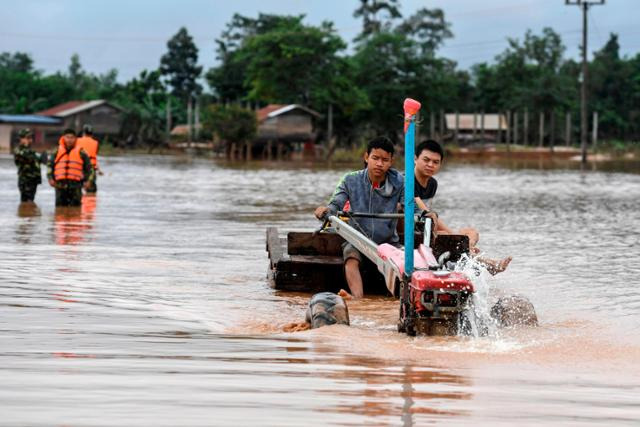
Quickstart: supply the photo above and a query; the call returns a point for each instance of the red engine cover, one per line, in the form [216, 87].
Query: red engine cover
[425, 280]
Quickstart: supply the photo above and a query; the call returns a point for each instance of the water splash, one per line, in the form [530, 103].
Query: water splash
[482, 324]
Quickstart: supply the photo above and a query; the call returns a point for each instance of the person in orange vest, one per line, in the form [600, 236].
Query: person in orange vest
[69, 170]
[91, 146]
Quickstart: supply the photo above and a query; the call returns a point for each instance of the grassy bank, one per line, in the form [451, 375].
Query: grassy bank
[609, 150]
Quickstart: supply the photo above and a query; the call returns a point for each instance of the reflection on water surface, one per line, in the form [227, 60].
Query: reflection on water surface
[149, 305]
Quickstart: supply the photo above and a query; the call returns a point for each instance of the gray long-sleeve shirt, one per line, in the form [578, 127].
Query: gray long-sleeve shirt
[358, 190]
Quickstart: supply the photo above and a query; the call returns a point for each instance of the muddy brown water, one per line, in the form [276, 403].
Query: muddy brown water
[150, 306]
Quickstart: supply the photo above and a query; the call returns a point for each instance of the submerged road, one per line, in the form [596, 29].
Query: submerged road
[150, 306]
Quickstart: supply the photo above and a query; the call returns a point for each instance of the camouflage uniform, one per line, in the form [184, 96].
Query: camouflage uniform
[69, 192]
[87, 132]
[28, 163]
[93, 186]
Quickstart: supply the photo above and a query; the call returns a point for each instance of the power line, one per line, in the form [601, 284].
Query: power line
[495, 9]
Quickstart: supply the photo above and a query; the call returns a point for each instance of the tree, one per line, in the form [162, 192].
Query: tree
[393, 65]
[24, 90]
[231, 124]
[229, 80]
[279, 59]
[428, 28]
[373, 24]
[148, 85]
[180, 67]
[76, 74]
[528, 74]
[612, 89]
[291, 64]
[19, 62]
[144, 99]
[386, 68]
[144, 124]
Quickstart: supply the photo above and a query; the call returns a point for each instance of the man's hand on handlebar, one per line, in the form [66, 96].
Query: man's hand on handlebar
[321, 212]
[429, 214]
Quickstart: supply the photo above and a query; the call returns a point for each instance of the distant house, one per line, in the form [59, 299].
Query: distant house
[286, 123]
[281, 128]
[180, 137]
[105, 118]
[182, 131]
[470, 125]
[10, 125]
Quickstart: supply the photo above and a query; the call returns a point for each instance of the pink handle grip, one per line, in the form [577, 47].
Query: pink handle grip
[411, 107]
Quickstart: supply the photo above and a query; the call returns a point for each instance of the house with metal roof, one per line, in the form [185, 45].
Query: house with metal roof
[47, 125]
[105, 117]
[283, 128]
[286, 123]
[478, 126]
[10, 125]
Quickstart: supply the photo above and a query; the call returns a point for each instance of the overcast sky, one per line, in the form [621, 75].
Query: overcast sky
[131, 35]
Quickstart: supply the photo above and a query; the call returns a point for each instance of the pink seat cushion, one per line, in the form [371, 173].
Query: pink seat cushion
[422, 257]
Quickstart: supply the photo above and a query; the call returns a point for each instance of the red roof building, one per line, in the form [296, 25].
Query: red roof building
[105, 118]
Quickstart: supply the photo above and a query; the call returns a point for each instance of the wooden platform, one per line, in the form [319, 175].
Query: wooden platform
[312, 262]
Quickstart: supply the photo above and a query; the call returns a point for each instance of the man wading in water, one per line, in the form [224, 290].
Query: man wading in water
[428, 160]
[69, 170]
[28, 163]
[376, 189]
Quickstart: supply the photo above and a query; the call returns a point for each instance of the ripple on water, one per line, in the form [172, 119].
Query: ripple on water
[153, 308]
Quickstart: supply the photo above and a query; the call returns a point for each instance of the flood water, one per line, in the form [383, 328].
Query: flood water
[150, 305]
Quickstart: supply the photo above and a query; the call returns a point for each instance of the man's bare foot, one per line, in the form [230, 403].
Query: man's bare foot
[345, 295]
[495, 267]
[503, 264]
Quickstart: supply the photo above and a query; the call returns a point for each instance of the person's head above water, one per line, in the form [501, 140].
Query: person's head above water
[26, 136]
[428, 158]
[69, 137]
[379, 157]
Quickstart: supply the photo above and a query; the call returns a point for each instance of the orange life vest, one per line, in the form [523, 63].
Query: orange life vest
[68, 164]
[90, 145]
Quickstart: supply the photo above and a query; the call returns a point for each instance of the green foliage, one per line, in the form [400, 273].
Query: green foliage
[144, 100]
[528, 74]
[391, 67]
[229, 80]
[292, 64]
[24, 90]
[615, 88]
[281, 59]
[76, 73]
[372, 23]
[18, 62]
[278, 59]
[230, 124]
[180, 67]
[397, 59]
[428, 28]
[144, 124]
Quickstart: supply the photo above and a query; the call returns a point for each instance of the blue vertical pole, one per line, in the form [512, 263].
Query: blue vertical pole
[409, 202]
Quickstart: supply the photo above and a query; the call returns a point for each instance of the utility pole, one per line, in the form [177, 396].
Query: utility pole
[583, 89]
[168, 115]
[329, 130]
[189, 117]
[196, 120]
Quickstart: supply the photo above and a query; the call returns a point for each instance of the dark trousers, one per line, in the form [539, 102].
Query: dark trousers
[27, 191]
[69, 196]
